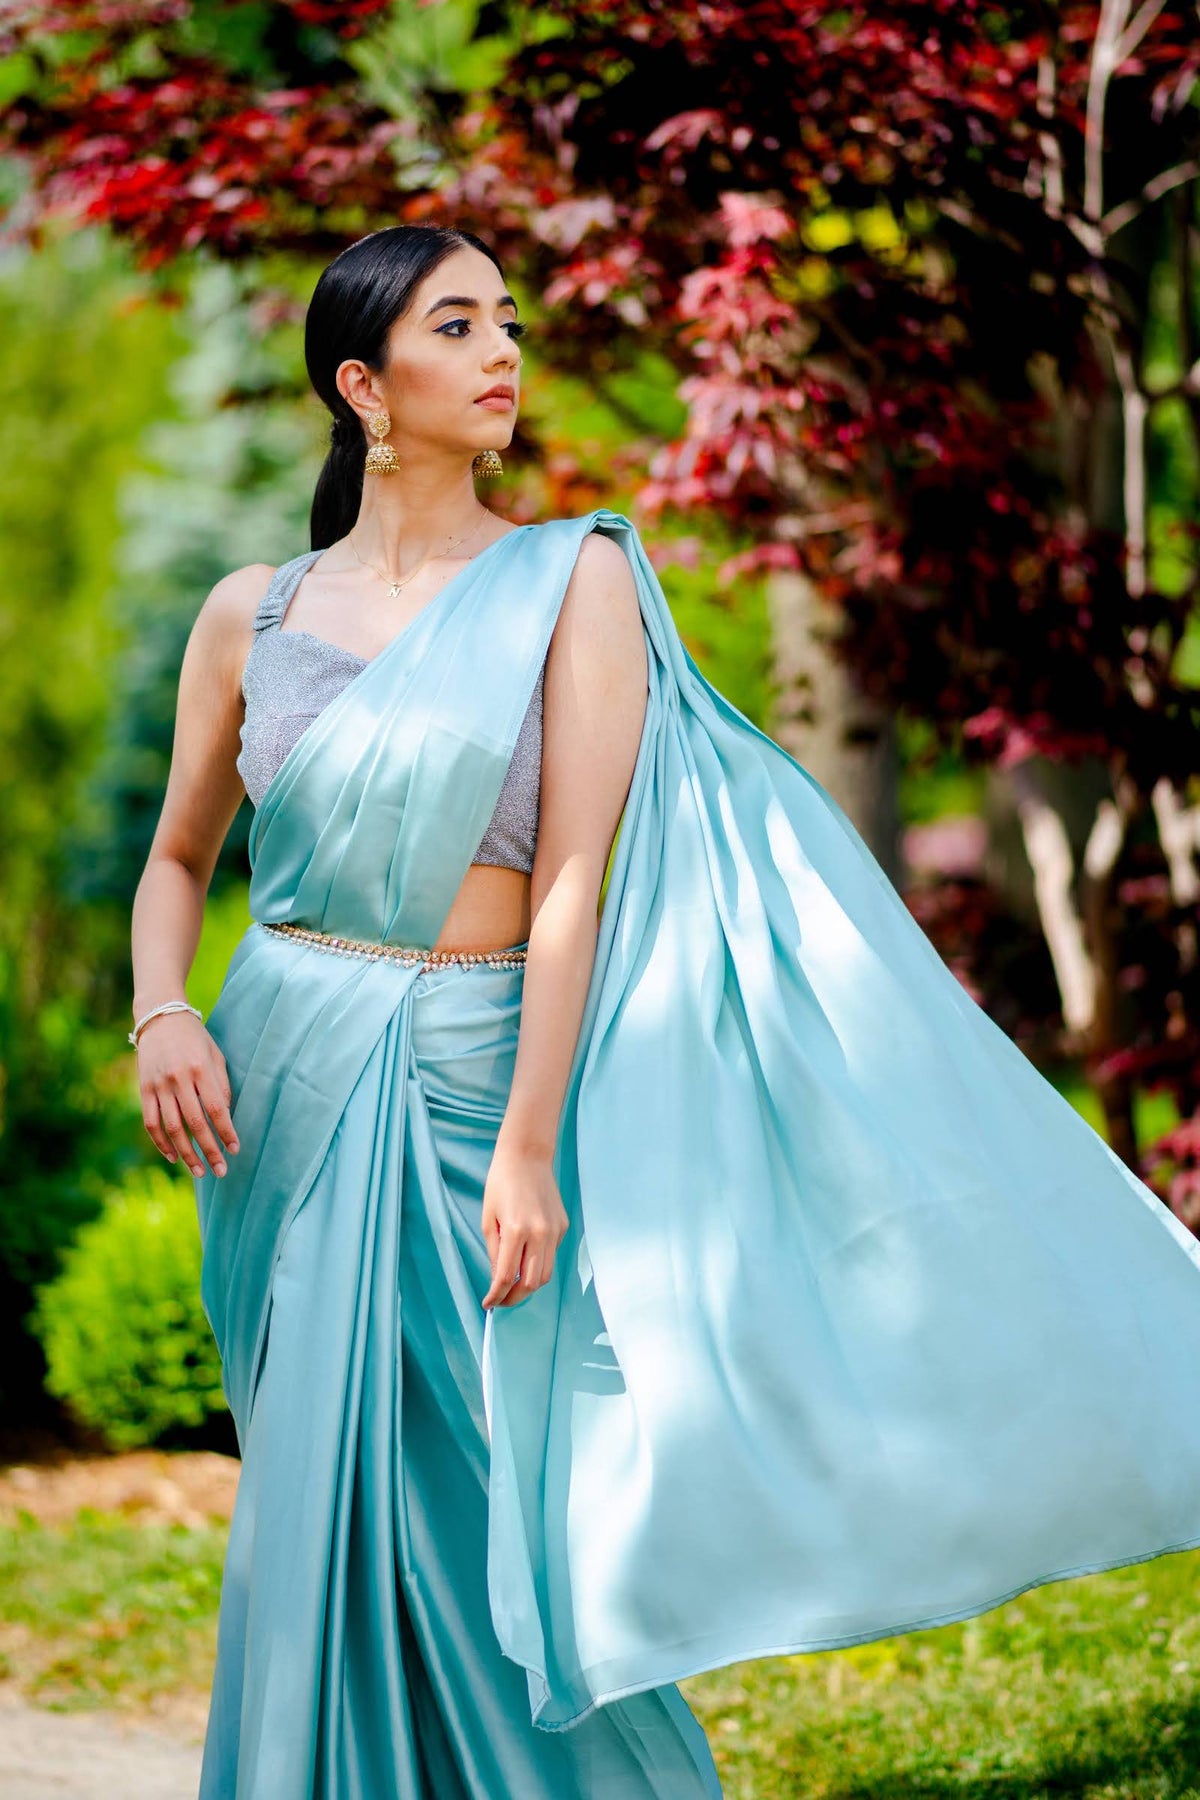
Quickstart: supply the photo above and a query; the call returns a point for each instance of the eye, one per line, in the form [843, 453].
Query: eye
[514, 327]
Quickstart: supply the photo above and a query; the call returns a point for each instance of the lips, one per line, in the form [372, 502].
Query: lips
[501, 391]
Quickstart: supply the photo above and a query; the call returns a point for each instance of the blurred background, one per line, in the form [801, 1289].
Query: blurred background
[882, 324]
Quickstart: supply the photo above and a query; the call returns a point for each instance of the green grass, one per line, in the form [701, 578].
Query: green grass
[1084, 1688]
[105, 1611]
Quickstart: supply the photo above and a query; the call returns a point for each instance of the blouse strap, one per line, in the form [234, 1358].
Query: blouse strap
[281, 587]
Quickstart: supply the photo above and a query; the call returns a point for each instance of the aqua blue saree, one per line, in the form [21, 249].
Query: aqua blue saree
[858, 1327]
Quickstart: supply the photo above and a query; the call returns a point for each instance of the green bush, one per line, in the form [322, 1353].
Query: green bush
[127, 1345]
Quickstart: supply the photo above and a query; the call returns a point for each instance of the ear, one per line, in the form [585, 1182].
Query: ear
[356, 384]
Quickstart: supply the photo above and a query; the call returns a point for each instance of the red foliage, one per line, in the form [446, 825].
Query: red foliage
[197, 161]
[868, 238]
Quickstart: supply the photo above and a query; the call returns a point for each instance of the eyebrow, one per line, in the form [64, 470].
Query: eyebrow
[465, 300]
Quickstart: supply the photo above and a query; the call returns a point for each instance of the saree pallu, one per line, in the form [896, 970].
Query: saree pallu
[857, 1327]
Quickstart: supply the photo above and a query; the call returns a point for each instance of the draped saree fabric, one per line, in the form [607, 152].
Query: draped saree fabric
[344, 1264]
[857, 1327]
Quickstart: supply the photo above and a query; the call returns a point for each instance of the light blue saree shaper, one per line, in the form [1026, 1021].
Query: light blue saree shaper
[858, 1327]
[344, 1264]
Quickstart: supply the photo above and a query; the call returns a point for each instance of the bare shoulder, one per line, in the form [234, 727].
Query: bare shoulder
[601, 599]
[597, 654]
[223, 630]
[603, 559]
[233, 601]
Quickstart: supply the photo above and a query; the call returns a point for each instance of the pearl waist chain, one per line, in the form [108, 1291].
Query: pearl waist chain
[407, 955]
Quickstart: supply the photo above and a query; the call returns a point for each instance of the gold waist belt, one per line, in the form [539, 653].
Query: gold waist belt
[408, 955]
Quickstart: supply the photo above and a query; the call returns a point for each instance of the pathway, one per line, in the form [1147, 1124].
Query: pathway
[90, 1756]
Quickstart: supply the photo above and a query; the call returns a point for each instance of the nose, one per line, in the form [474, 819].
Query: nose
[506, 351]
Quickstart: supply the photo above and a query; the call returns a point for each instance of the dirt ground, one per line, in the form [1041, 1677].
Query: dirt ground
[153, 1486]
[90, 1756]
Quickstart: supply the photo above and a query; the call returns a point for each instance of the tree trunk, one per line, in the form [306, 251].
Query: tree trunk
[823, 719]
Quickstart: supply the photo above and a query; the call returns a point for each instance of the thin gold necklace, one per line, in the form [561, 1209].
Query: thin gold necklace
[394, 585]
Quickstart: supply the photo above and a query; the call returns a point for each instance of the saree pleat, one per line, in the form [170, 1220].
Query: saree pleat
[356, 1640]
[857, 1327]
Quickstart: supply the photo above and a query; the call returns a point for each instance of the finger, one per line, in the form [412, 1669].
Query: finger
[534, 1275]
[201, 1130]
[501, 1285]
[505, 1272]
[177, 1131]
[218, 1111]
[152, 1120]
[536, 1272]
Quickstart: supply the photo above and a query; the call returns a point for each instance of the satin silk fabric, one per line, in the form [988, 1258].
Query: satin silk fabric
[344, 1264]
[859, 1326]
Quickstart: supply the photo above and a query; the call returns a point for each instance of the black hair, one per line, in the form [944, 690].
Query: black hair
[356, 301]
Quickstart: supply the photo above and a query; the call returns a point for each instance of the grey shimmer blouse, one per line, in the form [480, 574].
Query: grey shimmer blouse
[290, 676]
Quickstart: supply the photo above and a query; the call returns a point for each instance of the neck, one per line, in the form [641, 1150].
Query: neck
[416, 514]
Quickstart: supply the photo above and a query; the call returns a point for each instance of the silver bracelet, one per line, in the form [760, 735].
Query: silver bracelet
[167, 1006]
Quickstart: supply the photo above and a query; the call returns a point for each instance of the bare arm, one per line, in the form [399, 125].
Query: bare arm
[594, 709]
[181, 1071]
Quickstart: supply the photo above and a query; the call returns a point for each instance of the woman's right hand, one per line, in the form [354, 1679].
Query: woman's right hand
[184, 1083]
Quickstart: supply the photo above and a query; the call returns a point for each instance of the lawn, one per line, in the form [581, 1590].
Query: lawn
[1085, 1688]
[105, 1611]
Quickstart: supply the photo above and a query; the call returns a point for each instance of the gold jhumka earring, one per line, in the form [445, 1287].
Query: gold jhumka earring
[381, 458]
[487, 463]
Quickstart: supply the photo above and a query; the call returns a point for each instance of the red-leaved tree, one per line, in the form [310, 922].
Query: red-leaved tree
[925, 274]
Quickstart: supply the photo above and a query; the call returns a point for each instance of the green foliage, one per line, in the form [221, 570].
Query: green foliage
[226, 918]
[72, 438]
[83, 361]
[234, 434]
[127, 1344]
[413, 53]
[937, 783]
[235, 37]
[71, 1123]
[728, 636]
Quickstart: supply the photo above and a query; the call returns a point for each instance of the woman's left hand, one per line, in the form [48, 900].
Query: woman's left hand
[524, 1222]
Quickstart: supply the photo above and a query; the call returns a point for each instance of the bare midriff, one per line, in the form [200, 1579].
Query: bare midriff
[491, 910]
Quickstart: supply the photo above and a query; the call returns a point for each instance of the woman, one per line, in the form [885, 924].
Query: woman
[713, 1283]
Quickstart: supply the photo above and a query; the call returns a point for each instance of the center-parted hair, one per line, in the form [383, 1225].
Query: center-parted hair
[357, 299]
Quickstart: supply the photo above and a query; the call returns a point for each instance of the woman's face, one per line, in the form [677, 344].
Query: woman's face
[457, 339]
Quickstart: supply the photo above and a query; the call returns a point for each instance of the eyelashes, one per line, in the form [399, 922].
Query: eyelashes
[514, 327]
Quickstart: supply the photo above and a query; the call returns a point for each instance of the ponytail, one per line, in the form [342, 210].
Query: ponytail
[338, 494]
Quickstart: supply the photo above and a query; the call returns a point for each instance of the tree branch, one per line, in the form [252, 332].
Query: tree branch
[1048, 849]
[1114, 16]
[1162, 183]
[1136, 31]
